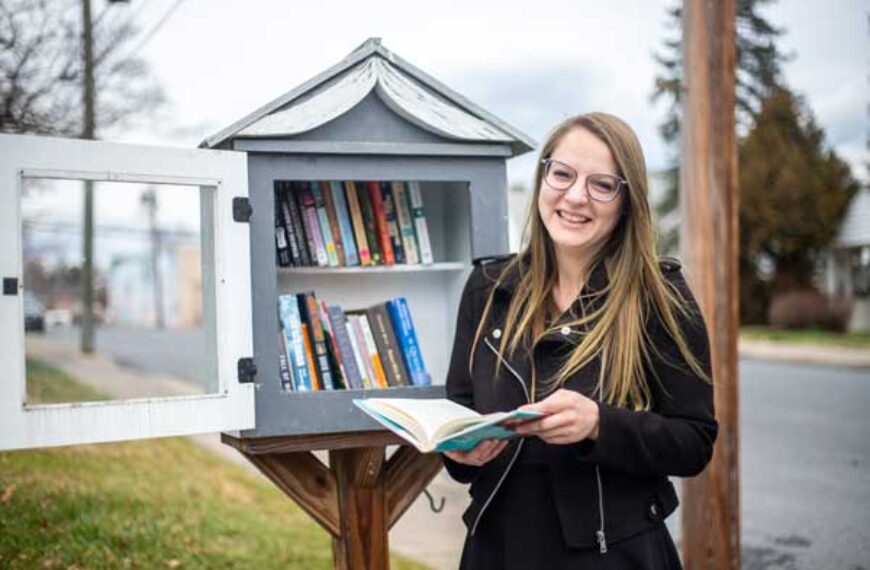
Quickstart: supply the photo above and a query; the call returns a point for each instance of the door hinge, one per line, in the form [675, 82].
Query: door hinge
[247, 370]
[242, 209]
[10, 285]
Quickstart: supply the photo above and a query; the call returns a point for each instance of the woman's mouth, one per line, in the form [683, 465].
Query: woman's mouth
[575, 219]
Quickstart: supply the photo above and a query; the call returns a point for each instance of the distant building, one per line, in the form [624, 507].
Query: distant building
[847, 272]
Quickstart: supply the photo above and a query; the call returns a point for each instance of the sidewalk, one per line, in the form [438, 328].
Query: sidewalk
[805, 353]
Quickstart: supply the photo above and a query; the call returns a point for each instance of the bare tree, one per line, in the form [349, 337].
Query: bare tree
[42, 68]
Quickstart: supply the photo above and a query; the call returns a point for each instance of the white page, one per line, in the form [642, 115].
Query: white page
[429, 414]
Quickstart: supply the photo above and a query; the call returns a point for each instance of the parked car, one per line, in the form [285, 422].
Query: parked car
[34, 313]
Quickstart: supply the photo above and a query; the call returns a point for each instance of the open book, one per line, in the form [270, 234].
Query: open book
[439, 424]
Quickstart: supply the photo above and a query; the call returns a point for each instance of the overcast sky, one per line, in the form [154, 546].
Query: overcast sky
[530, 63]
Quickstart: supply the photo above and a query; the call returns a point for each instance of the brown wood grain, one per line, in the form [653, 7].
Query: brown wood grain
[407, 473]
[307, 481]
[294, 443]
[709, 242]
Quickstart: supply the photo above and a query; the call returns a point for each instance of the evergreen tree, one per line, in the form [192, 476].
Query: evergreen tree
[758, 70]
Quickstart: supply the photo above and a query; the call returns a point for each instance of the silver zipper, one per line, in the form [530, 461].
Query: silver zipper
[519, 445]
[599, 535]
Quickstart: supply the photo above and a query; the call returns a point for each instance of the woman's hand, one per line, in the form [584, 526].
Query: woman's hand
[569, 417]
[483, 453]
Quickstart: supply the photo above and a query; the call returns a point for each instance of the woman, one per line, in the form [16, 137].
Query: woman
[588, 327]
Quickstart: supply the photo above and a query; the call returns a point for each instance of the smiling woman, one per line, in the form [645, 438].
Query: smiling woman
[589, 328]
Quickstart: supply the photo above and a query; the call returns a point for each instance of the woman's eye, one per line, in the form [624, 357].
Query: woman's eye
[562, 174]
[603, 185]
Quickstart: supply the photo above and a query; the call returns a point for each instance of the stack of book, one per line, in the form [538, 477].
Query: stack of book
[344, 224]
[326, 348]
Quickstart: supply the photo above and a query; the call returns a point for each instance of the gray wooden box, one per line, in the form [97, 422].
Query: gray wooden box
[373, 116]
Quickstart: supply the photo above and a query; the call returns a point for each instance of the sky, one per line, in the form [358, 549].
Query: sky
[530, 63]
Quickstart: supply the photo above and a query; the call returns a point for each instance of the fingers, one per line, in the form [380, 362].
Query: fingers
[485, 452]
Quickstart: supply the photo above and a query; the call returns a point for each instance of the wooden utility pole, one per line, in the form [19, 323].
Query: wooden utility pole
[709, 243]
[88, 132]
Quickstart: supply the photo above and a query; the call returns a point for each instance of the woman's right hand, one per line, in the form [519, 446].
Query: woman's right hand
[483, 453]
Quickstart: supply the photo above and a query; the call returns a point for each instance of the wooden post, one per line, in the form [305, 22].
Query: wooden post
[709, 242]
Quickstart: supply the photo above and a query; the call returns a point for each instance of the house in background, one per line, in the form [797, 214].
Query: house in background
[847, 271]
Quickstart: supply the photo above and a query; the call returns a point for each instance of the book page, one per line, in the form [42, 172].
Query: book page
[429, 415]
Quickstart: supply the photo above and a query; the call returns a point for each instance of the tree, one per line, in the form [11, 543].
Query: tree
[758, 69]
[793, 194]
[41, 69]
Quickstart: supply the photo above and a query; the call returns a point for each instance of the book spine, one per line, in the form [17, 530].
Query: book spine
[289, 227]
[388, 346]
[332, 216]
[309, 210]
[418, 214]
[406, 228]
[323, 224]
[381, 228]
[282, 245]
[309, 356]
[368, 216]
[350, 254]
[339, 374]
[337, 320]
[371, 347]
[407, 337]
[392, 224]
[291, 200]
[311, 316]
[365, 361]
[359, 229]
[283, 364]
[291, 326]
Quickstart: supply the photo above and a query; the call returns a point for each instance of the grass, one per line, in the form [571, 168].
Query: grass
[806, 336]
[48, 385]
[153, 504]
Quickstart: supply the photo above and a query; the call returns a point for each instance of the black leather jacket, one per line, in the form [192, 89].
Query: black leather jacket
[635, 451]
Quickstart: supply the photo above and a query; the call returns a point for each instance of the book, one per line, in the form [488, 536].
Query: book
[380, 377]
[339, 374]
[293, 217]
[392, 224]
[388, 345]
[361, 349]
[332, 215]
[309, 309]
[440, 424]
[368, 217]
[359, 229]
[309, 209]
[283, 364]
[309, 357]
[291, 327]
[381, 228]
[282, 244]
[338, 322]
[406, 226]
[407, 337]
[418, 215]
[351, 257]
[323, 224]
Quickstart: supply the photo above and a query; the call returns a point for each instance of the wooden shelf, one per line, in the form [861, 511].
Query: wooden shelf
[356, 270]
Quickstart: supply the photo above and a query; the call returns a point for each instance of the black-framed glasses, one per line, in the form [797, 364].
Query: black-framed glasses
[599, 187]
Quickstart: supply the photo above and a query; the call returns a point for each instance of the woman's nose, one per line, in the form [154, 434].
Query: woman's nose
[577, 191]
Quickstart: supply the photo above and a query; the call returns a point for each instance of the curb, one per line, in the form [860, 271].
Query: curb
[805, 353]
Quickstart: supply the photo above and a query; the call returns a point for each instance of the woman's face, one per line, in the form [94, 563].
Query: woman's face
[577, 224]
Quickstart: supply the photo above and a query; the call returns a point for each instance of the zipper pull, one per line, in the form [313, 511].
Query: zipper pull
[602, 542]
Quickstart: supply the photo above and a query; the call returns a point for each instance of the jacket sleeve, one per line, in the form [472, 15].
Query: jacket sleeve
[459, 383]
[676, 436]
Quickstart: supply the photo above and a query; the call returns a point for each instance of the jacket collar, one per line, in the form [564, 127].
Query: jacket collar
[597, 281]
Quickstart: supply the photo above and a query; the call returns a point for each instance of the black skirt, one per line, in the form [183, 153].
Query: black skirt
[520, 531]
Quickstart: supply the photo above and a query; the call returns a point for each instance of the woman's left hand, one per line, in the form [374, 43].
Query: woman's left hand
[569, 417]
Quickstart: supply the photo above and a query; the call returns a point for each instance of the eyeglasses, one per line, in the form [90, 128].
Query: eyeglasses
[600, 187]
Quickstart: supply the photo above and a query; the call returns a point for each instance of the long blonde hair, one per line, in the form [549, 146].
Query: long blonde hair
[636, 289]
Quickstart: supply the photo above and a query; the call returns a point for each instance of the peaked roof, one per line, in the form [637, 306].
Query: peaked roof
[408, 91]
[855, 227]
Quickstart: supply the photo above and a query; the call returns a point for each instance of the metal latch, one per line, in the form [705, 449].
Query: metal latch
[10, 285]
[247, 370]
[242, 209]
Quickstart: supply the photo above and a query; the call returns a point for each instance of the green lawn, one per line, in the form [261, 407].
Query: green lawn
[154, 504]
[807, 336]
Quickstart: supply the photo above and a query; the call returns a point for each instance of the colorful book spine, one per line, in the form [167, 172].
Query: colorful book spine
[283, 364]
[359, 229]
[339, 373]
[406, 227]
[291, 203]
[392, 224]
[332, 216]
[309, 356]
[282, 245]
[282, 205]
[351, 257]
[368, 216]
[312, 224]
[337, 321]
[381, 228]
[310, 311]
[388, 346]
[291, 327]
[407, 337]
[372, 348]
[418, 215]
[365, 363]
[323, 224]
